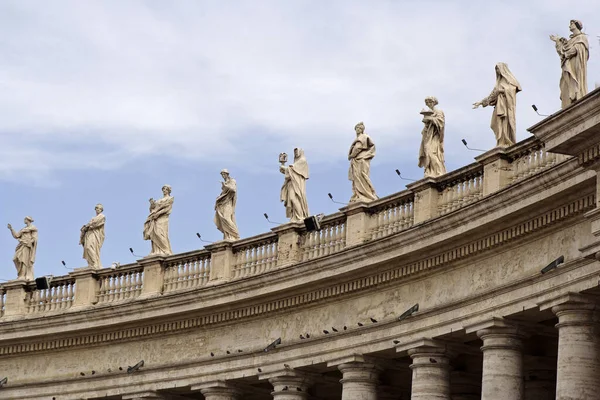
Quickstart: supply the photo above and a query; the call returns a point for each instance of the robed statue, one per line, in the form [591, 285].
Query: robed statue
[431, 153]
[225, 208]
[92, 238]
[25, 251]
[156, 227]
[293, 191]
[360, 155]
[504, 100]
[574, 53]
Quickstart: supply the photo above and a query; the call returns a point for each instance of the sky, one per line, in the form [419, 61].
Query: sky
[105, 101]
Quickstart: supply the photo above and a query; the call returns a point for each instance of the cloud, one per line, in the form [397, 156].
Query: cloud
[92, 85]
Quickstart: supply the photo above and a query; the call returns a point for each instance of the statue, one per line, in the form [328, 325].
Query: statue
[431, 153]
[293, 191]
[225, 208]
[156, 227]
[504, 100]
[92, 238]
[25, 251]
[360, 155]
[574, 54]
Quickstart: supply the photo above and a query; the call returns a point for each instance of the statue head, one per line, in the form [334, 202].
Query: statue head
[28, 220]
[99, 208]
[431, 101]
[224, 173]
[575, 26]
[359, 128]
[166, 189]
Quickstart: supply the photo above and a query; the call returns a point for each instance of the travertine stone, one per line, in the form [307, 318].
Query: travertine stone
[502, 363]
[288, 243]
[574, 53]
[15, 298]
[504, 99]
[360, 155]
[430, 372]
[290, 387]
[496, 169]
[92, 238]
[357, 223]
[220, 391]
[86, 286]
[426, 199]
[156, 227]
[221, 261]
[225, 208]
[293, 191]
[359, 381]
[154, 271]
[431, 152]
[24, 257]
[578, 363]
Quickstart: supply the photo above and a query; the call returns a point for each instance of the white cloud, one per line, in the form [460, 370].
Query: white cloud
[93, 84]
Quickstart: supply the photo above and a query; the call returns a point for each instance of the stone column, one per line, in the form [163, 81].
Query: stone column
[15, 298]
[426, 199]
[496, 169]
[86, 287]
[430, 372]
[218, 390]
[221, 261]
[357, 223]
[359, 381]
[288, 243]
[154, 273]
[290, 387]
[502, 377]
[578, 366]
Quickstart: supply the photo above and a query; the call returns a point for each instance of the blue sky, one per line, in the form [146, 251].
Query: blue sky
[106, 101]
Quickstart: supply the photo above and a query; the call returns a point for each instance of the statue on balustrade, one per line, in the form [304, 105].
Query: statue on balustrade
[574, 54]
[431, 153]
[504, 100]
[92, 238]
[225, 208]
[360, 155]
[25, 251]
[156, 227]
[293, 191]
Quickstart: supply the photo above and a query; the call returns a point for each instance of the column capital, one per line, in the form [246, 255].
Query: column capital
[570, 299]
[290, 384]
[218, 389]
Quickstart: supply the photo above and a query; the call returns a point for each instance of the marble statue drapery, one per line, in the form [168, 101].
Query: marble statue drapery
[360, 155]
[92, 238]
[225, 208]
[431, 152]
[293, 191]
[156, 227]
[504, 100]
[24, 257]
[574, 54]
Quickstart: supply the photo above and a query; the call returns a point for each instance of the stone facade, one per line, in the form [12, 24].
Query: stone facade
[468, 247]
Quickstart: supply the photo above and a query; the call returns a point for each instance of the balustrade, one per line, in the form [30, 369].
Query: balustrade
[189, 272]
[2, 300]
[255, 257]
[58, 296]
[115, 285]
[532, 160]
[330, 239]
[460, 191]
[393, 216]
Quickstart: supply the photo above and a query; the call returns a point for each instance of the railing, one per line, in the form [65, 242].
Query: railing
[330, 239]
[255, 255]
[395, 214]
[58, 296]
[2, 300]
[531, 160]
[460, 188]
[183, 273]
[123, 283]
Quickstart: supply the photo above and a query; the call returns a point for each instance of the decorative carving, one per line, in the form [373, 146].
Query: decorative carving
[431, 153]
[225, 208]
[360, 155]
[504, 100]
[156, 227]
[92, 238]
[25, 252]
[574, 54]
[293, 191]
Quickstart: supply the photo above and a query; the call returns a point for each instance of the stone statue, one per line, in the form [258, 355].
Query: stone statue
[293, 191]
[225, 208]
[360, 155]
[574, 54]
[25, 251]
[156, 227]
[431, 153]
[92, 238]
[504, 100]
